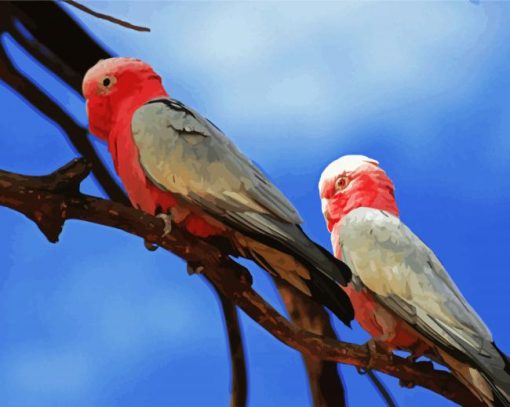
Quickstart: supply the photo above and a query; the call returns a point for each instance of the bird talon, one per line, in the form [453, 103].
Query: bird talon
[361, 370]
[194, 269]
[373, 348]
[412, 358]
[150, 246]
[167, 218]
[408, 384]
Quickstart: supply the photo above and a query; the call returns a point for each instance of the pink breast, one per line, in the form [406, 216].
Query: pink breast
[382, 324]
[142, 193]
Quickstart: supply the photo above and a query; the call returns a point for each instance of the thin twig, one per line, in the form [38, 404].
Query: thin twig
[62, 68]
[239, 382]
[325, 382]
[50, 200]
[46, 57]
[41, 53]
[76, 134]
[381, 389]
[105, 16]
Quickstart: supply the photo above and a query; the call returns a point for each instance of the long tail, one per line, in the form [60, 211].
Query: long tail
[497, 374]
[486, 374]
[305, 277]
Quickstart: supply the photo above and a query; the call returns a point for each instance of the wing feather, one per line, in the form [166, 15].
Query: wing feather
[182, 152]
[409, 279]
[185, 153]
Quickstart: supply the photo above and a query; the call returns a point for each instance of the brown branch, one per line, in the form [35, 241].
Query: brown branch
[239, 382]
[52, 199]
[36, 22]
[46, 56]
[52, 62]
[325, 383]
[70, 70]
[381, 389]
[105, 16]
[76, 134]
[323, 376]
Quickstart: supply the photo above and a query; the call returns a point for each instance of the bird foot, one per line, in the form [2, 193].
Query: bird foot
[374, 347]
[193, 268]
[150, 246]
[408, 384]
[412, 358]
[167, 218]
[166, 231]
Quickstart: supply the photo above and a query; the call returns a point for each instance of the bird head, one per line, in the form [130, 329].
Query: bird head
[354, 181]
[116, 86]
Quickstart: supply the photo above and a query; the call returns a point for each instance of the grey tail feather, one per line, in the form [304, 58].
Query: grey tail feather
[316, 257]
[501, 396]
[329, 294]
[323, 291]
[291, 239]
[499, 379]
[342, 272]
[494, 367]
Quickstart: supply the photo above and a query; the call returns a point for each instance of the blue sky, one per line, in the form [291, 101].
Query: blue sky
[96, 320]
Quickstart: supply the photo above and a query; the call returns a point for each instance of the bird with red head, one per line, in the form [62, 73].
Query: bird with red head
[402, 295]
[174, 162]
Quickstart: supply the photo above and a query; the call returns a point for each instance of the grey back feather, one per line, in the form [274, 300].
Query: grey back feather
[182, 152]
[187, 155]
[405, 275]
[397, 266]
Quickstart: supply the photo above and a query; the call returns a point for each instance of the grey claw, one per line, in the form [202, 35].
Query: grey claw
[193, 269]
[150, 246]
[168, 223]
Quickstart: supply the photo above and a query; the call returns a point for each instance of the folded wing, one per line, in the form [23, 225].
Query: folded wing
[184, 153]
[406, 276]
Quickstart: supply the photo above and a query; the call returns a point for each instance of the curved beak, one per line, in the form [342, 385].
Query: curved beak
[99, 119]
[325, 211]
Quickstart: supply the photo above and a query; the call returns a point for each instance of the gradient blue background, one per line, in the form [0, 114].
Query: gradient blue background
[96, 320]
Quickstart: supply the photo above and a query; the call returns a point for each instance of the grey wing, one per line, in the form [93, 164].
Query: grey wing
[182, 152]
[406, 276]
[392, 262]
[187, 155]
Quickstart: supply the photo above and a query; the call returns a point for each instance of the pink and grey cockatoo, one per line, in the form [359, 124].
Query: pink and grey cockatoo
[173, 161]
[402, 295]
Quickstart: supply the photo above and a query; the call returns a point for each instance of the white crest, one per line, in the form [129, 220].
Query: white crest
[346, 163]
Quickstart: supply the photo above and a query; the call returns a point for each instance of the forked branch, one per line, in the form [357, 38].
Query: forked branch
[50, 200]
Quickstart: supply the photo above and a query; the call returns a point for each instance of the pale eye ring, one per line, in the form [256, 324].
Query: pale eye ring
[107, 81]
[341, 183]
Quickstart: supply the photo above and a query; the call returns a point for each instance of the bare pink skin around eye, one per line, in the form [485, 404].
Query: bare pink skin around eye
[370, 188]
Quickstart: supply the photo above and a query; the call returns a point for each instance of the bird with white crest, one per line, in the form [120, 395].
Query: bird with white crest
[402, 295]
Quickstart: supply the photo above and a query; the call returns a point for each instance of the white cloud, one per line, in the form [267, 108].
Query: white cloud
[319, 75]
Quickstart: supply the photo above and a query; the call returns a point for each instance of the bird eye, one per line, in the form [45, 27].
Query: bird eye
[341, 183]
[107, 82]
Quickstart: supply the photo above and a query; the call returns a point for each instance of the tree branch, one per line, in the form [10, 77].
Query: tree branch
[325, 383]
[322, 375]
[76, 134]
[239, 382]
[71, 71]
[35, 21]
[105, 16]
[33, 31]
[52, 199]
